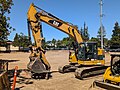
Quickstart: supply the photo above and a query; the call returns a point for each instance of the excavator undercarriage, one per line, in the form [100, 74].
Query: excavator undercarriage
[89, 61]
[82, 71]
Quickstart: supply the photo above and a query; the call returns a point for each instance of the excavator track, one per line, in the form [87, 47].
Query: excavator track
[67, 68]
[84, 72]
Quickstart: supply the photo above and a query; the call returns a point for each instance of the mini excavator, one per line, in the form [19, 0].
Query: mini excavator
[87, 58]
[111, 77]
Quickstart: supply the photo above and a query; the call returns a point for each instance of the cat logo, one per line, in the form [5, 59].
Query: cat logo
[56, 23]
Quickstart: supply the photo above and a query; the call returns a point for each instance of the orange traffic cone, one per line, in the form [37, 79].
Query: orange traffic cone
[15, 75]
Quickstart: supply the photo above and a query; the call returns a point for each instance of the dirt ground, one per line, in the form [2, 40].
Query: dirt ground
[58, 81]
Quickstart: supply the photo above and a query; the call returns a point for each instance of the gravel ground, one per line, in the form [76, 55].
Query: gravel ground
[58, 81]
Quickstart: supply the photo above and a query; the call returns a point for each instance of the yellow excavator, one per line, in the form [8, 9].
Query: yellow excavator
[111, 77]
[87, 58]
[38, 65]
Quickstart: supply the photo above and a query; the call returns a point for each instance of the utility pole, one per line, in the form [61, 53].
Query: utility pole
[101, 25]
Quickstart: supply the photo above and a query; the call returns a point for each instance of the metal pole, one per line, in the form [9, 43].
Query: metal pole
[101, 26]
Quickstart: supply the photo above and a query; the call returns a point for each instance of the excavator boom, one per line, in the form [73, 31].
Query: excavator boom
[55, 22]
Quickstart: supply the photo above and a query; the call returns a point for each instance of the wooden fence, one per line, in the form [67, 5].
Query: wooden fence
[4, 81]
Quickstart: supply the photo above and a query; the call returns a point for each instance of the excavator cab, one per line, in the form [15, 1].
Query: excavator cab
[115, 64]
[87, 51]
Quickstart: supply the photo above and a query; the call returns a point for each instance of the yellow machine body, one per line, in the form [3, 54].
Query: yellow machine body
[85, 53]
[109, 75]
[65, 27]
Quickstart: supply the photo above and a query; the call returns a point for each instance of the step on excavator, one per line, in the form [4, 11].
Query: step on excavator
[111, 77]
[87, 59]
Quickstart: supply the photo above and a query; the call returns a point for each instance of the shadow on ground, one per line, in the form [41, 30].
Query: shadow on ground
[20, 79]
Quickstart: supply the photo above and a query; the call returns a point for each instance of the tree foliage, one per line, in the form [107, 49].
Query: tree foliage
[115, 40]
[21, 40]
[16, 40]
[59, 43]
[64, 43]
[106, 42]
[5, 28]
[99, 32]
[45, 44]
[54, 41]
[84, 33]
[93, 39]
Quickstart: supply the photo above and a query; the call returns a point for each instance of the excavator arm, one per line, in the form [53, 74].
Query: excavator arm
[35, 27]
[50, 19]
[38, 63]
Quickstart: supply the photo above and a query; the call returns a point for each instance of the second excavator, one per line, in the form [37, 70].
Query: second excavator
[111, 77]
[87, 58]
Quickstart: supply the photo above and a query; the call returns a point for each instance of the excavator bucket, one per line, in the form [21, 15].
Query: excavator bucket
[36, 66]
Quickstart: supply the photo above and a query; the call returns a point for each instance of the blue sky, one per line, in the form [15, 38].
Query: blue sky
[74, 11]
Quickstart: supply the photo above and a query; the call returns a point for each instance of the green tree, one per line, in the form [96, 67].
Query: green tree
[24, 41]
[115, 40]
[93, 39]
[106, 42]
[21, 40]
[5, 28]
[65, 41]
[70, 42]
[16, 40]
[84, 33]
[44, 44]
[59, 43]
[54, 42]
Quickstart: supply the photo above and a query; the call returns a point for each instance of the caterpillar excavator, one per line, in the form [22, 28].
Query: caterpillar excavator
[38, 65]
[87, 58]
[111, 77]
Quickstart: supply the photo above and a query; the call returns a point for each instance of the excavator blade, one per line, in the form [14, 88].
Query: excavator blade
[106, 86]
